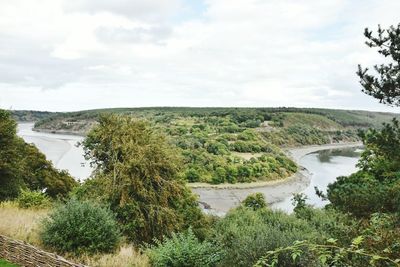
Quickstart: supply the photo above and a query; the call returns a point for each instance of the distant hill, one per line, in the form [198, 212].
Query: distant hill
[31, 115]
[230, 145]
[321, 118]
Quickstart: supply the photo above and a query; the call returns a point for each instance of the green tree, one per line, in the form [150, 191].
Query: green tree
[385, 86]
[23, 166]
[140, 170]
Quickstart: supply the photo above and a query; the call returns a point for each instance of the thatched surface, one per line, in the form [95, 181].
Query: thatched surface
[26, 255]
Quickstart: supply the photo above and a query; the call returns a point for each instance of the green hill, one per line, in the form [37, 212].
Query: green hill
[229, 145]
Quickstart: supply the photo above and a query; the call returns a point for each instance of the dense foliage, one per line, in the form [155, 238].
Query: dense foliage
[33, 199]
[80, 227]
[184, 249]
[385, 84]
[22, 166]
[138, 171]
[255, 201]
[247, 234]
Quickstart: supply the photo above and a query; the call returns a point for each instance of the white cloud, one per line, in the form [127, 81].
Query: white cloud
[98, 53]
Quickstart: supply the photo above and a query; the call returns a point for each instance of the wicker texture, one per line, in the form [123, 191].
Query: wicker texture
[26, 255]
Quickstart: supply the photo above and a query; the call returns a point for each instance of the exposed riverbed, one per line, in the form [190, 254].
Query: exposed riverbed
[318, 166]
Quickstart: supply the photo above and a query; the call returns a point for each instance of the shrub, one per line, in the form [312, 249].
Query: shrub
[184, 249]
[80, 227]
[255, 201]
[246, 235]
[32, 199]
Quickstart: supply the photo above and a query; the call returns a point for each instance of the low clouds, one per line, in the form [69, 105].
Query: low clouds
[182, 53]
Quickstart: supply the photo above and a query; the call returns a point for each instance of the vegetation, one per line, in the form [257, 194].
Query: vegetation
[138, 171]
[4, 263]
[22, 166]
[371, 195]
[143, 157]
[24, 224]
[184, 249]
[31, 115]
[233, 145]
[376, 186]
[385, 86]
[80, 227]
[33, 199]
[247, 234]
[255, 201]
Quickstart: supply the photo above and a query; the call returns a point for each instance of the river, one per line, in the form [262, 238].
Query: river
[61, 149]
[321, 168]
[324, 166]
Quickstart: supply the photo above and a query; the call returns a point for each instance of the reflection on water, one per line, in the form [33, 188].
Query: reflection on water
[327, 155]
[61, 149]
[324, 166]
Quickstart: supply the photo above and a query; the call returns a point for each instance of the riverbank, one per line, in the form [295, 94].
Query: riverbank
[220, 198]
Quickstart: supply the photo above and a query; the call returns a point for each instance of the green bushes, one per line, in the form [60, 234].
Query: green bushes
[32, 199]
[184, 249]
[80, 227]
[255, 201]
[246, 235]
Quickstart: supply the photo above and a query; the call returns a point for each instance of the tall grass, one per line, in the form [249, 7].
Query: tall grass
[23, 224]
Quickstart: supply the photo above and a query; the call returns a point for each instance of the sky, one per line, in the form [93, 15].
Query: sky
[65, 55]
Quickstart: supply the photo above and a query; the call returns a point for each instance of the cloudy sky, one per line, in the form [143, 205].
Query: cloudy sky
[63, 55]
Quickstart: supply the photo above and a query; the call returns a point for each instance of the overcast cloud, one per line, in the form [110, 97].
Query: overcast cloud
[64, 55]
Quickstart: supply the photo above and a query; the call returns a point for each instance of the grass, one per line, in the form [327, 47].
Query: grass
[127, 255]
[23, 224]
[4, 263]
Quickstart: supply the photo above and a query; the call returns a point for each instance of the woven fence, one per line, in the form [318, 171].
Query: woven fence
[23, 254]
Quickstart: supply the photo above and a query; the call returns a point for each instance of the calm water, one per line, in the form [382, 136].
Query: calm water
[60, 149]
[325, 166]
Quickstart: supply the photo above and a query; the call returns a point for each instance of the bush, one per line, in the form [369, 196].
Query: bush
[184, 249]
[80, 227]
[246, 235]
[32, 199]
[255, 201]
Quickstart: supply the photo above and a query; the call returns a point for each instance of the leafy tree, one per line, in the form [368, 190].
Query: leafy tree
[385, 86]
[140, 170]
[373, 188]
[23, 166]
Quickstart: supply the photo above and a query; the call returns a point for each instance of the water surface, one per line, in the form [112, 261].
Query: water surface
[324, 166]
[61, 149]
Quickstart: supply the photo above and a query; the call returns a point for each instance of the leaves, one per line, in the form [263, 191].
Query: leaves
[385, 86]
[327, 255]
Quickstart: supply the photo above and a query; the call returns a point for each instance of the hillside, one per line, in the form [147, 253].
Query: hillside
[229, 145]
[31, 115]
[322, 119]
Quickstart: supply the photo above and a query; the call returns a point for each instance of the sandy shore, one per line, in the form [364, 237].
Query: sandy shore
[221, 198]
